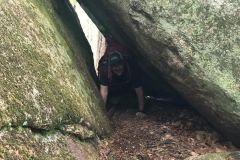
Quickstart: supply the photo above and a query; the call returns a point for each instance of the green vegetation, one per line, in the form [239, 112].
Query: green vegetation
[43, 84]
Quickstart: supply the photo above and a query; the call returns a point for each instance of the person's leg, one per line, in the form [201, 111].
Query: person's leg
[140, 97]
[127, 101]
[112, 105]
[122, 103]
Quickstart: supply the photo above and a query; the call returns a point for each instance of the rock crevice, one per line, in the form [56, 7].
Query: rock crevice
[193, 45]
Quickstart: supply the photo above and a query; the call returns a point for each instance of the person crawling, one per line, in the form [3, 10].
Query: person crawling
[119, 81]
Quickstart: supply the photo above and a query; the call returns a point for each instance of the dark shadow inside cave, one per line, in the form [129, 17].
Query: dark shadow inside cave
[155, 87]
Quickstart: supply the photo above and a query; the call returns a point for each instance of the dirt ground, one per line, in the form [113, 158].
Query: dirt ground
[168, 132]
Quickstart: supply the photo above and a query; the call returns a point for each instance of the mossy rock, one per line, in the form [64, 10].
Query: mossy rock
[42, 82]
[22, 143]
[192, 44]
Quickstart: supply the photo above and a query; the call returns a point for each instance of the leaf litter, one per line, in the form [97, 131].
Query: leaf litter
[166, 133]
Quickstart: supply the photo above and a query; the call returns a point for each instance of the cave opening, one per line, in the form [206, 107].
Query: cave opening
[163, 95]
[171, 125]
[95, 35]
[51, 108]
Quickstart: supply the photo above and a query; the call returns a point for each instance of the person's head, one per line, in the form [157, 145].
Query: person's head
[117, 63]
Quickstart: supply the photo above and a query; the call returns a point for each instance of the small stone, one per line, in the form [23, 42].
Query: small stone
[194, 154]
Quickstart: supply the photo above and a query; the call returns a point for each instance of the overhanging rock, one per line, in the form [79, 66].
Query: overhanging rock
[194, 45]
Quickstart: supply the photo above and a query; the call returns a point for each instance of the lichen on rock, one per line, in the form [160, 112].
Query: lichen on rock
[22, 143]
[41, 83]
[45, 82]
[192, 44]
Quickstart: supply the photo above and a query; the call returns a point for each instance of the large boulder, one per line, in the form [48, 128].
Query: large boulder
[45, 81]
[192, 44]
[22, 143]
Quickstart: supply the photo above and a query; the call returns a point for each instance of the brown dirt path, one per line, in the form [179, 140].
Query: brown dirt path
[166, 133]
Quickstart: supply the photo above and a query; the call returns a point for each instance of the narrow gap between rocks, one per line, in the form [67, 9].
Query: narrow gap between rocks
[171, 130]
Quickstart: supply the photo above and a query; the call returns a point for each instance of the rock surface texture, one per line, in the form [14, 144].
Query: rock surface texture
[45, 82]
[193, 44]
[22, 143]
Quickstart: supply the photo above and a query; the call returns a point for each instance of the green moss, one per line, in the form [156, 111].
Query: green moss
[43, 84]
[193, 44]
[22, 143]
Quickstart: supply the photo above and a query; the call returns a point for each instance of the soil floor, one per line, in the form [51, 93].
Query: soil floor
[167, 132]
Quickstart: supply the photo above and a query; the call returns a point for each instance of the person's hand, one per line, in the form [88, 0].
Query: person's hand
[140, 114]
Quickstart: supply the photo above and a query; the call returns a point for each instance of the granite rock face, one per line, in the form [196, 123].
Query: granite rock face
[194, 45]
[45, 81]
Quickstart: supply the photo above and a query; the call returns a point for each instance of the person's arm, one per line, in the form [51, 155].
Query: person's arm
[140, 97]
[104, 93]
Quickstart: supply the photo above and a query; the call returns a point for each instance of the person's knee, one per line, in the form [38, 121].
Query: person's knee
[113, 101]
